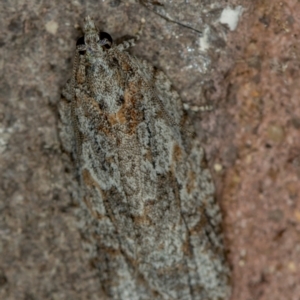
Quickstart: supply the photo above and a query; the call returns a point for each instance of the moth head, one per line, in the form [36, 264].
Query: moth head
[93, 40]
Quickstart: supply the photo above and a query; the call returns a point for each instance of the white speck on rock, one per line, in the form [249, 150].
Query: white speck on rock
[204, 40]
[231, 16]
[51, 27]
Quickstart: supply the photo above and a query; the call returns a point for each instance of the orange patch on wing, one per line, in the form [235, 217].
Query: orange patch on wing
[177, 152]
[191, 182]
[128, 114]
[80, 75]
[201, 224]
[89, 181]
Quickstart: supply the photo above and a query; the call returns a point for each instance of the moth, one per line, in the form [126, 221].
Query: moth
[147, 213]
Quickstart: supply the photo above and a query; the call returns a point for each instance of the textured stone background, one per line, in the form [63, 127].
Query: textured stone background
[252, 137]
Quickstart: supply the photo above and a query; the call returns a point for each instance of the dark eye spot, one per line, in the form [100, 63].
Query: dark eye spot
[102, 105]
[121, 100]
[79, 42]
[105, 35]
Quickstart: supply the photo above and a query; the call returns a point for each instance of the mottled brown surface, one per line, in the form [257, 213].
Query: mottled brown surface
[261, 188]
[252, 136]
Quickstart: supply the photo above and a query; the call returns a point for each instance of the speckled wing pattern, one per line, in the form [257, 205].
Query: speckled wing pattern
[148, 216]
